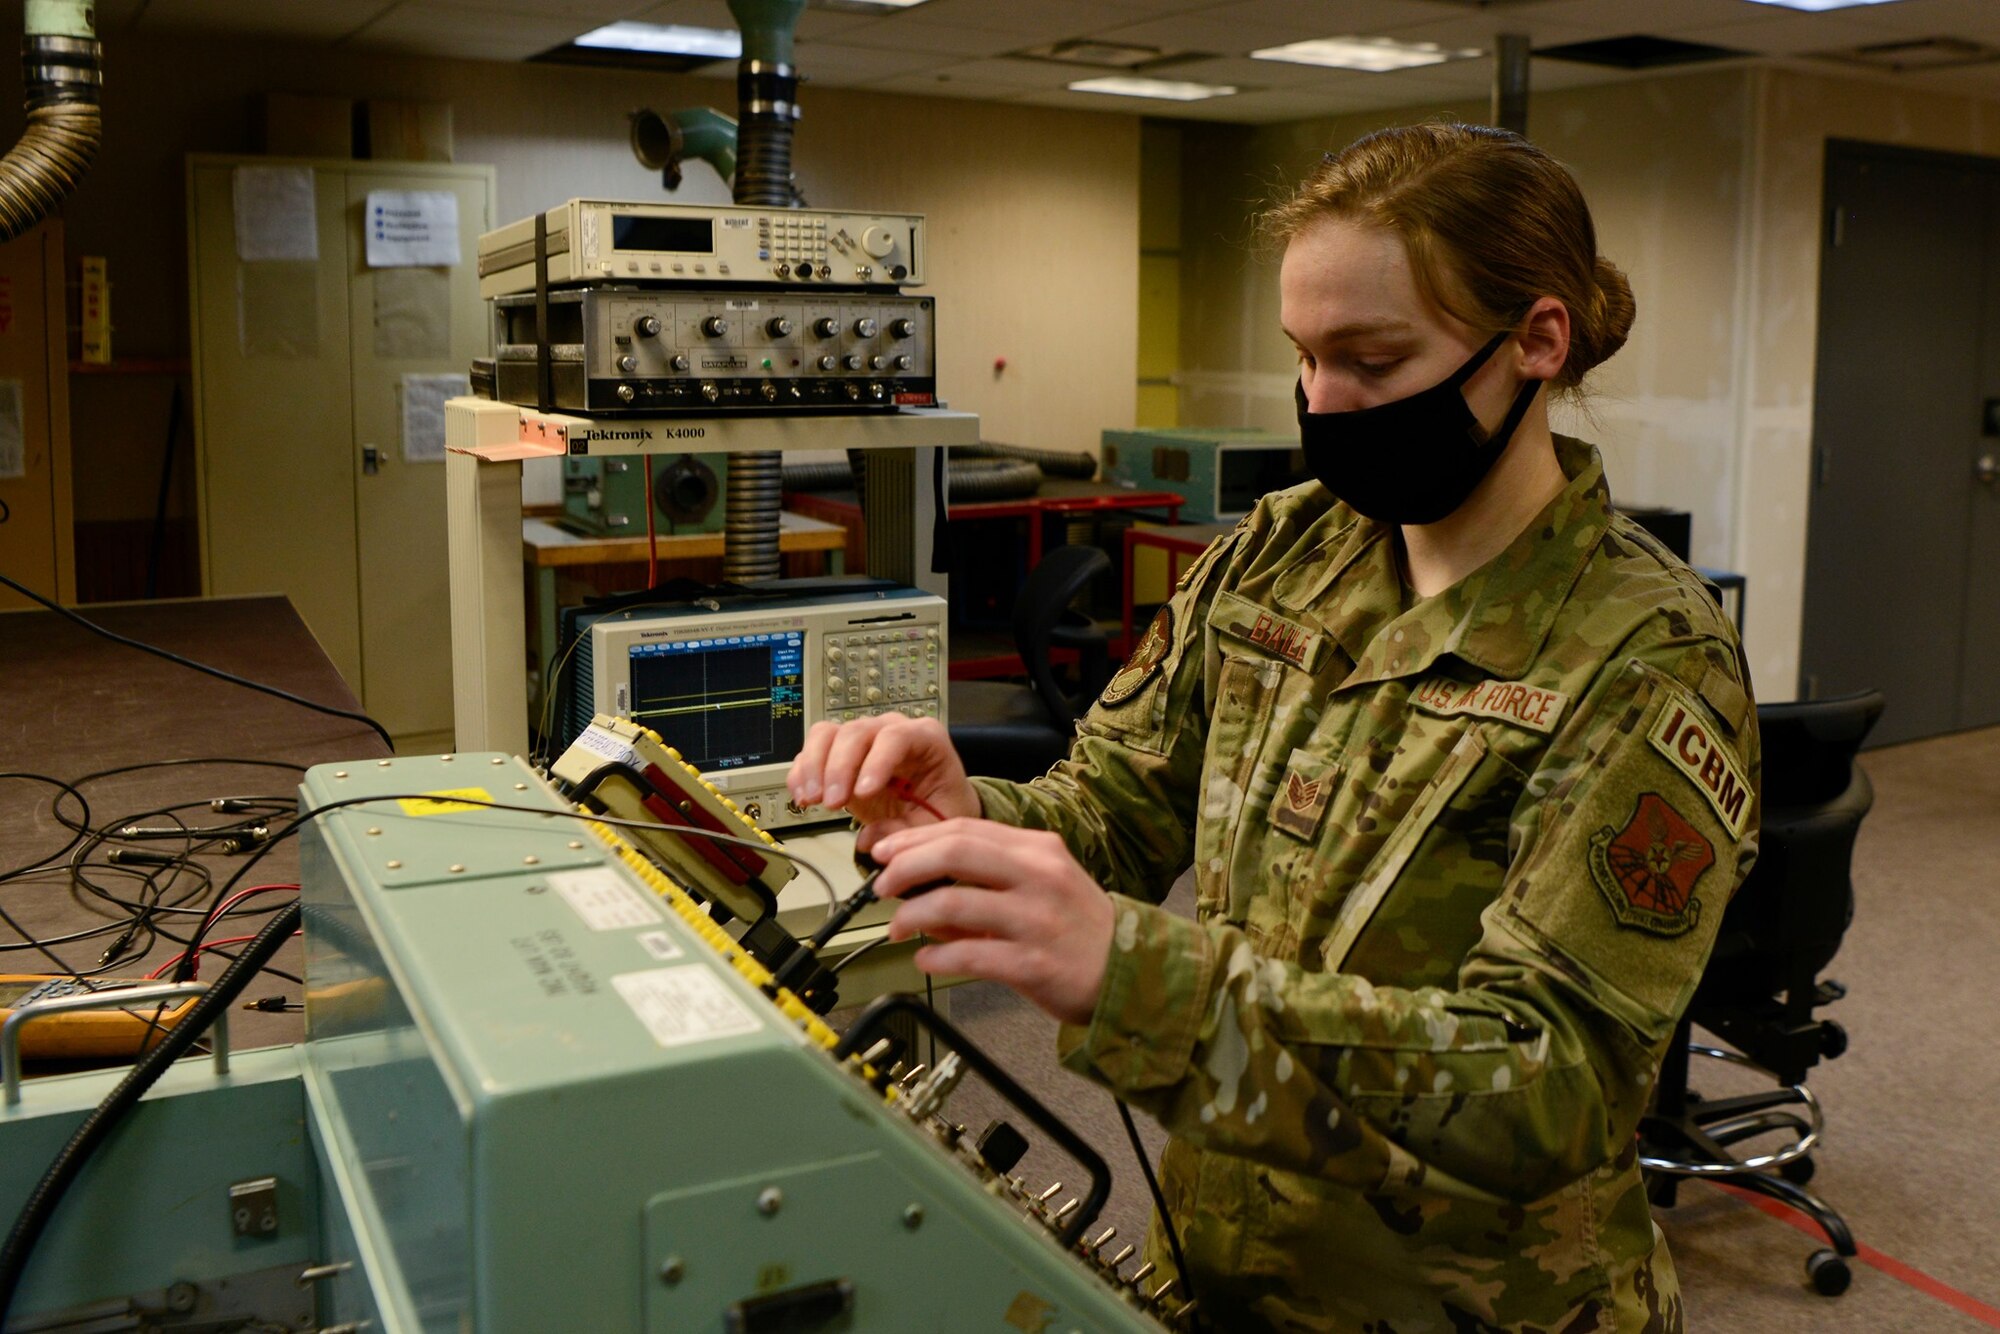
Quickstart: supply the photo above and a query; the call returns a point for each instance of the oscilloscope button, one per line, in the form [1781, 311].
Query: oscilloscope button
[835, 684]
[833, 653]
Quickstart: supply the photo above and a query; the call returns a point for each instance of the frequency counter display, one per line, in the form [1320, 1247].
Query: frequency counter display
[726, 702]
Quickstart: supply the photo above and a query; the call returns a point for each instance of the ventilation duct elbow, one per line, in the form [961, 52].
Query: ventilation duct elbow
[61, 66]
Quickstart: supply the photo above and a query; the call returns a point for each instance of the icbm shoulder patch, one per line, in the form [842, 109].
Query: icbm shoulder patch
[1678, 734]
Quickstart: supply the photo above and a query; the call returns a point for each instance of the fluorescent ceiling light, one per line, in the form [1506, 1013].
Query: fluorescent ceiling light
[1821, 6]
[1373, 54]
[1166, 89]
[665, 39]
[865, 6]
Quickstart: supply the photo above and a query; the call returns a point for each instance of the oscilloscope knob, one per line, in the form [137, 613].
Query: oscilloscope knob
[902, 361]
[628, 363]
[877, 242]
[902, 328]
[852, 361]
[826, 326]
[874, 695]
[834, 653]
[865, 328]
[778, 327]
[878, 363]
[714, 326]
[647, 326]
[679, 362]
[827, 362]
[835, 684]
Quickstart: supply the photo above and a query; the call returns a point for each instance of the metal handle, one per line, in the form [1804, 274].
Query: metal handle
[1987, 469]
[116, 999]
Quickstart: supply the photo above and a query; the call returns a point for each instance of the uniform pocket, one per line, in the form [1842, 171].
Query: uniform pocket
[1246, 696]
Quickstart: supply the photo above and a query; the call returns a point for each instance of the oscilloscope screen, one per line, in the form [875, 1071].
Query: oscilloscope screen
[727, 702]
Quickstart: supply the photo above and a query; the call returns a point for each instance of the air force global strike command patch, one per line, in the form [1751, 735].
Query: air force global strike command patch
[1144, 662]
[1647, 871]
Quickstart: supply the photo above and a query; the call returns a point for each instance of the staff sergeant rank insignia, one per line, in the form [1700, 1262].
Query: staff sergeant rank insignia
[1144, 662]
[1647, 870]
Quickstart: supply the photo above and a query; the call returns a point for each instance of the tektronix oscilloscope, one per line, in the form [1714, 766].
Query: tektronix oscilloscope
[733, 683]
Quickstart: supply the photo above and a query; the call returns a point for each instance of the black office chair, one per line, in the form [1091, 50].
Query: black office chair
[1005, 730]
[1762, 984]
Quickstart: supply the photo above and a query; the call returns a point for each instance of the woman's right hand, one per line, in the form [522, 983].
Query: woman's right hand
[876, 768]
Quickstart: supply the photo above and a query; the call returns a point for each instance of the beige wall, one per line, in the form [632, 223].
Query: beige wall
[1033, 213]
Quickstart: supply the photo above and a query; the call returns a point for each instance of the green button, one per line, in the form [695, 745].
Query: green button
[767, 363]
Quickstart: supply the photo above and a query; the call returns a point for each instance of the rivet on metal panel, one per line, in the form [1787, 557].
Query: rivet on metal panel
[575, 844]
[497, 759]
[383, 764]
[520, 787]
[374, 831]
[395, 865]
[673, 1270]
[770, 1200]
[531, 860]
[456, 867]
[913, 1216]
[340, 773]
[447, 758]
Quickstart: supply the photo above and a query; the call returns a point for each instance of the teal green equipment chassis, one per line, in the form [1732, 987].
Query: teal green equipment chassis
[542, 1092]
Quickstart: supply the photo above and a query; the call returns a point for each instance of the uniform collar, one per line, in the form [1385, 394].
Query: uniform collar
[1497, 617]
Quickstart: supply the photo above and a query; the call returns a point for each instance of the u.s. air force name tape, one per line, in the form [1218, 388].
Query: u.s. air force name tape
[1681, 736]
[1531, 707]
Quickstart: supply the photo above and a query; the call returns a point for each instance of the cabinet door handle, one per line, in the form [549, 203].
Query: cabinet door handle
[371, 460]
[1987, 469]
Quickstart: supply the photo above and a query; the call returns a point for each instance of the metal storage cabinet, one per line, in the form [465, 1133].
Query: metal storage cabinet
[36, 535]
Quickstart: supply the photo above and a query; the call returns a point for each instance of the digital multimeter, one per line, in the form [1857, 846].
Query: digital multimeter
[87, 1033]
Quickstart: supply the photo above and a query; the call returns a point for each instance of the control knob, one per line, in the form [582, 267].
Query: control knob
[877, 242]
[864, 328]
[778, 327]
[902, 328]
[628, 363]
[828, 362]
[852, 361]
[903, 361]
[826, 326]
[835, 685]
[874, 695]
[714, 326]
[647, 326]
[679, 362]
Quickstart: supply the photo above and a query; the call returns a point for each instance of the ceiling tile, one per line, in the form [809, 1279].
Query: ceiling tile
[433, 28]
[1018, 73]
[1789, 34]
[312, 23]
[838, 63]
[935, 38]
[947, 84]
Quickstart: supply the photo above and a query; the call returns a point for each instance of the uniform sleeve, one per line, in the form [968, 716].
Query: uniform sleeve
[1531, 1071]
[1123, 799]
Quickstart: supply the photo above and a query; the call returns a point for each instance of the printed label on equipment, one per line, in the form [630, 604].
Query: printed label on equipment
[441, 803]
[659, 944]
[684, 1005]
[732, 220]
[611, 747]
[739, 305]
[603, 899]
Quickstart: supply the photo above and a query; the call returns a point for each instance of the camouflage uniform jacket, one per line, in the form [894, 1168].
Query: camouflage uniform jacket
[1459, 863]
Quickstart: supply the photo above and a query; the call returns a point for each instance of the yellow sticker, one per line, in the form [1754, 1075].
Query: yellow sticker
[441, 803]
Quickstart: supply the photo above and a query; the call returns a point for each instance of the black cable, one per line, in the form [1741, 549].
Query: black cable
[354, 715]
[1159, 1202]
[48, 1193]
[65, 790]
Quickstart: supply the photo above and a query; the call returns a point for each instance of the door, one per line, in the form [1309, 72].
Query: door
[1902, 588]
[273, 407]
[407, 322]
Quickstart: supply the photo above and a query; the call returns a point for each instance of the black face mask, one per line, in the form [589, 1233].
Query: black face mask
[1415, 460]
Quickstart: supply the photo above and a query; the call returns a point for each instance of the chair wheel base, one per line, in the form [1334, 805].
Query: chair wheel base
[1798, 1171]
[1829, 1273]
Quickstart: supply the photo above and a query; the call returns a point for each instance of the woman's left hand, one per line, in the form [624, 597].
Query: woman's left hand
[1014, 908]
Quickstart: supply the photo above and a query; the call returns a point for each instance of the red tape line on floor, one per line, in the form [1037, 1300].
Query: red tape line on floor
[1874, 1259]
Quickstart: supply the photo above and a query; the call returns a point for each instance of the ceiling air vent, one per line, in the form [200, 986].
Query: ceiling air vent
[1925, 53]
[1106, 55]
[1638, 52]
